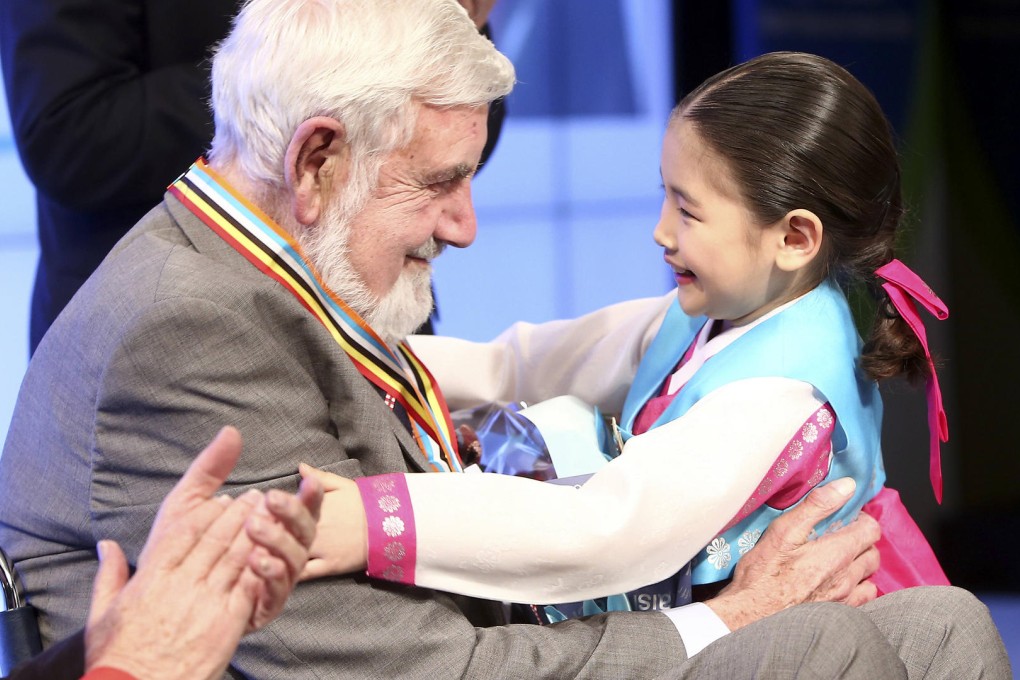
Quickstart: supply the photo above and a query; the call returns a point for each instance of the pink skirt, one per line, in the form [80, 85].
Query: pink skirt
[907, 559]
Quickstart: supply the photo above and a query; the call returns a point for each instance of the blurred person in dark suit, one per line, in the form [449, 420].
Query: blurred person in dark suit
[108, 101]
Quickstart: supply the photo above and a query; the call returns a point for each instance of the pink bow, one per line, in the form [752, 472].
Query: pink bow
[901, 282]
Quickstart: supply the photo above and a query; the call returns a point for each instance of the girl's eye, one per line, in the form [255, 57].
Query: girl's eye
[684, 212]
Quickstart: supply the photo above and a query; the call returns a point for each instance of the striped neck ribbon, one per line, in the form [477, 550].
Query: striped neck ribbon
[396, 372]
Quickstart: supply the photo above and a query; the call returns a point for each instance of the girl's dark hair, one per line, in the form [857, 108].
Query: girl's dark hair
[798, 131]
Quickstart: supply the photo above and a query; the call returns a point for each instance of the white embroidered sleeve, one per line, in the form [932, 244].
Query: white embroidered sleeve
[593, 357]
[635, 522]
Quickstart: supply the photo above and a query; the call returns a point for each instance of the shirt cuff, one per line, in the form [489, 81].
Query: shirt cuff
[392, 539]
[698, 626]
[107, 673]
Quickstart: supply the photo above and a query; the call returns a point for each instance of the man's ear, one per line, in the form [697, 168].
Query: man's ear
[801, 231]
[316, 166]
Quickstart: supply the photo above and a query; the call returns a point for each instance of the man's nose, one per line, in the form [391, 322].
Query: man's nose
[458, 223]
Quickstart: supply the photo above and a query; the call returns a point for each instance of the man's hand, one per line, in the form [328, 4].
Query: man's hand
[785, 568]
[211, 570]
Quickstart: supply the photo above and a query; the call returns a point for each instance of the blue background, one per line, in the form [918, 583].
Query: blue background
[567, 204]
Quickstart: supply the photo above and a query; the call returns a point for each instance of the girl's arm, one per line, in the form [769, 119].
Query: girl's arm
[636, 521]
[593, 357]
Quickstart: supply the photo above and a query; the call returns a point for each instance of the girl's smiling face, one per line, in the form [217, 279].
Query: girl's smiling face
[724, 263]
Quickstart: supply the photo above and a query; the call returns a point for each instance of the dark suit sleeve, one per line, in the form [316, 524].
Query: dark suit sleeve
[497, 113]
[62, 661]
[97, 124]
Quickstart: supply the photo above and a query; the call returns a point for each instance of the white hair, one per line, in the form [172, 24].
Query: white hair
[366, 63]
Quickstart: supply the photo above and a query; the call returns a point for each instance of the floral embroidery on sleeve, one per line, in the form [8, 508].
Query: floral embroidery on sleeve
[801, 466]
[747, 540]
[719, 555]
[392, 540]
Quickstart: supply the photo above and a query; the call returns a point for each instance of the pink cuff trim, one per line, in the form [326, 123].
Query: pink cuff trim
[801, 466]
[392, 540]
[107, 673]
[805, 461]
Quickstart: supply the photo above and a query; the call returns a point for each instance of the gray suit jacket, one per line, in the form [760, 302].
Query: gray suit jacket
[177, 335]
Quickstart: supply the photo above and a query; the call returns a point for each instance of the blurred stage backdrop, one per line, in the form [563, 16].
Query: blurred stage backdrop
[568, 201]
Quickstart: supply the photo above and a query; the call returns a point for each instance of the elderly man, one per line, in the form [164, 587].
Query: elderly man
[270, 290]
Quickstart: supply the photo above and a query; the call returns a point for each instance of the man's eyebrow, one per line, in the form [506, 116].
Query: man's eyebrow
[459, 171]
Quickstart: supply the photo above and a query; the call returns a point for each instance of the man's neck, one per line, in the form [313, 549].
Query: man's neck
[265, 198]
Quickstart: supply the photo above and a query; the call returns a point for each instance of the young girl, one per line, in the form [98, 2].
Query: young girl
[748, 387]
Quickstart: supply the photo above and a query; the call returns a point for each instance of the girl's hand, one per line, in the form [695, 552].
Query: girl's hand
[341, 541]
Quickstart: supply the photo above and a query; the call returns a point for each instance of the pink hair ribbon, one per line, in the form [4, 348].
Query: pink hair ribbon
[901, 282]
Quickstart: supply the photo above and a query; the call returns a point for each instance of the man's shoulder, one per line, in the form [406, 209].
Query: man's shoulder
[170, 255]
[170, 277]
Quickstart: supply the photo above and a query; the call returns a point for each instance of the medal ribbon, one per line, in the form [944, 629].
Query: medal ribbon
[262, 242]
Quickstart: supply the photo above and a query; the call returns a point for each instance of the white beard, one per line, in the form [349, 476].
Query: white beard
[396, 314]
[406, 307]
